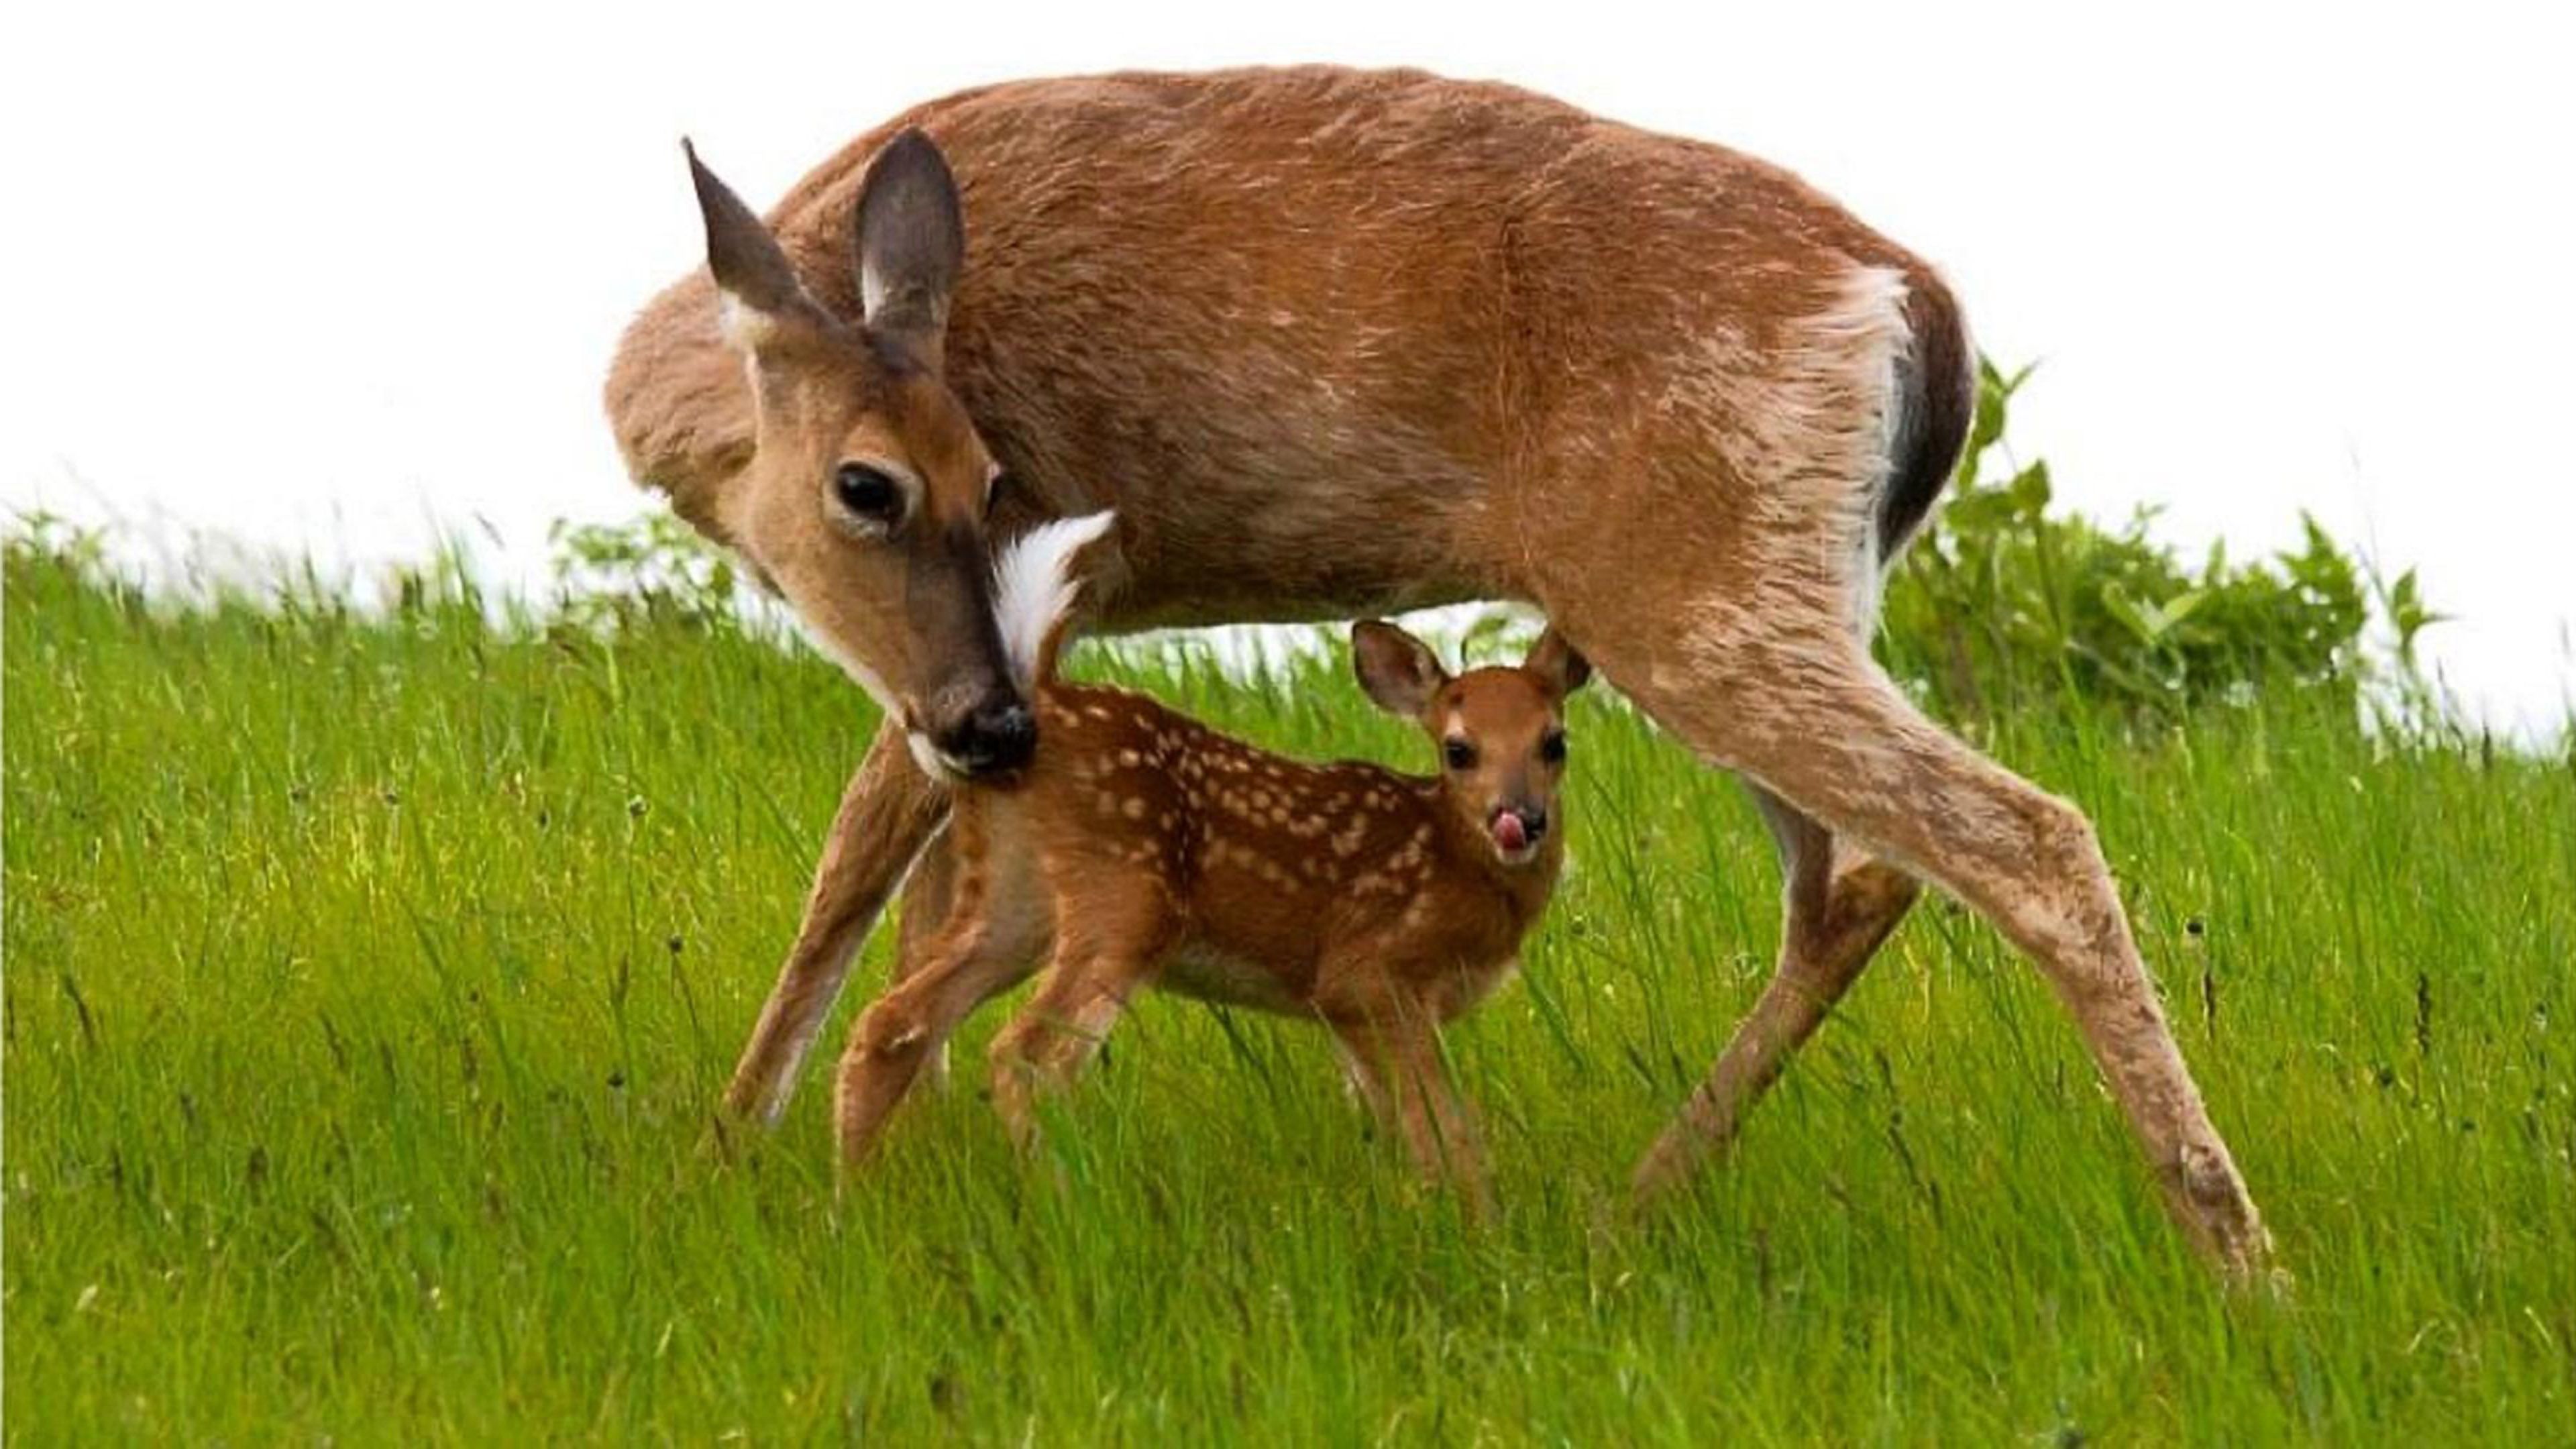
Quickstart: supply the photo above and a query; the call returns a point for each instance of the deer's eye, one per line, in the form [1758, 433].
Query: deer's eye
[1551, 747]
[869, 493]
[1458, 754]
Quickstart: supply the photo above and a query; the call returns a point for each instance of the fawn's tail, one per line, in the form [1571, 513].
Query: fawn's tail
[1034, 588]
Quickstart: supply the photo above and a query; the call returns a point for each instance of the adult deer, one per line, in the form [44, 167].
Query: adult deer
[1337, 342]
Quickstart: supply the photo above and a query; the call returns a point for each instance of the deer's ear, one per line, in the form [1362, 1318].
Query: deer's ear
[911, 233]
[1557, 664]
[1399, 671]
[758, 286]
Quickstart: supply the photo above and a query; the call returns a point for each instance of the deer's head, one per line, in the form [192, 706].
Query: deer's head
[865, 499]
[1500, 730]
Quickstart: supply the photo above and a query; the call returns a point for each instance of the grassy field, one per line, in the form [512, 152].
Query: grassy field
[368, 984]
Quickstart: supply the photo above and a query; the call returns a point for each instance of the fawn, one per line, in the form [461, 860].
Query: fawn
[1153, 850]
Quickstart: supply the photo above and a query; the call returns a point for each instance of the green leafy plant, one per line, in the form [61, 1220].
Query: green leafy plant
[2007, 603]
[646, 571]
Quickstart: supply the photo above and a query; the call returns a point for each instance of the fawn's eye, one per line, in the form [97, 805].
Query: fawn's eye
[1459, 754]
[870, 494]
[1551, 747]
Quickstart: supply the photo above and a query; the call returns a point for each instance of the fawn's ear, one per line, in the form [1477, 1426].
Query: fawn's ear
[1399, 671]
[911, 233]
[1557, 664]
[758, 286]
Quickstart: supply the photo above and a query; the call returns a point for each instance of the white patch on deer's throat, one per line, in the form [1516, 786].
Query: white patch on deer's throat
[935, 762]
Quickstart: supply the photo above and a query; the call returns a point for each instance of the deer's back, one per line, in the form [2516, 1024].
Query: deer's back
[1309, 328]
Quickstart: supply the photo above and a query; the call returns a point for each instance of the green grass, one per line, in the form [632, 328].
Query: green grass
[368, 984]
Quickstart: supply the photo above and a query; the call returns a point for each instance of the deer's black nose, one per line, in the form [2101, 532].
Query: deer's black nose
[1000, 735]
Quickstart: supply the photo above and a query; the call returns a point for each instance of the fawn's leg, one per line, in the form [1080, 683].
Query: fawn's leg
[889, 809]
[1839, 906]
[995, 930]
[1805, 712]
[1395, 1057]
[1111, 937]
[929, 898]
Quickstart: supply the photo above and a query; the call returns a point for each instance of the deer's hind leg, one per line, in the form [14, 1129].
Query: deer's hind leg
[1113, 933]
[1720, 563]
[1839, 906]
[1795, 703]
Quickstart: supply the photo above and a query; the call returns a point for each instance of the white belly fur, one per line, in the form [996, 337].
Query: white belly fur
[1202, 971]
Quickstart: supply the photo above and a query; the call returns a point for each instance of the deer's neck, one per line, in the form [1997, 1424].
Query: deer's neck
[1245, 517]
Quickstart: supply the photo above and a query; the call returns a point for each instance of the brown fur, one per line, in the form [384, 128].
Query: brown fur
[1169, 854]
[1336, 341]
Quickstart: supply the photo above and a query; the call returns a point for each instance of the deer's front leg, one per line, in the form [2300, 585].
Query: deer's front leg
[1395, 1058]
[989, 945]
[889, 809]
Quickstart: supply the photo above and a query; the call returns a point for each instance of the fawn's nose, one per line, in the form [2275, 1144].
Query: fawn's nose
[1517, 829]
[1533, 821]
[1001, 734]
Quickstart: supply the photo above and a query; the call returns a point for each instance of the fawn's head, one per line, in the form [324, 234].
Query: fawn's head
[1500, 730]
[865, 499]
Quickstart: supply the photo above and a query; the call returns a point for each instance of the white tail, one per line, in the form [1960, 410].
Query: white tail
[1034, 588]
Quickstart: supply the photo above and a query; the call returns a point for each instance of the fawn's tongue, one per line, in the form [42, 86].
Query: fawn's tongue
[1509, 833]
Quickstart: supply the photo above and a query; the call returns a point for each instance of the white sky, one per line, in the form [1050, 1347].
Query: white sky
[321, 278]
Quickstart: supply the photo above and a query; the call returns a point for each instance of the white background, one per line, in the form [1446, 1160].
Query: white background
[324, 280]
